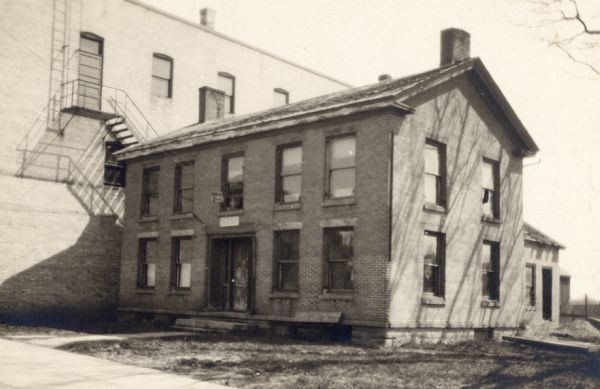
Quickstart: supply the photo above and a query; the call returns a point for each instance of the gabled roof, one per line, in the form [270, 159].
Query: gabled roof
[384, 94]
[534, 235]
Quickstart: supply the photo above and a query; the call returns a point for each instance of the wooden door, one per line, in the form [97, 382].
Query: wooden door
[231, 261]
[241, 258]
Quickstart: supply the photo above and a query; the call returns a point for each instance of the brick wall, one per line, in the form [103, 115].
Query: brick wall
[58, 262]
[454, 114]
[370, 210]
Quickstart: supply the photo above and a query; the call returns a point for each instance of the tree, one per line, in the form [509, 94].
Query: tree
[575, 29]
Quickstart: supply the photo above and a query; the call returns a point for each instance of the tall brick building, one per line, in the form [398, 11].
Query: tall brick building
[82, 79]
[394, 208]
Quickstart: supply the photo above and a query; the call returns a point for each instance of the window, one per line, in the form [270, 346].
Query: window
[289, 174]
[341, 158]
[150, 192]
[530, 284]
[226, 83]
[162, 75]
[490, 270]
[285, 257]
[280, 97]
[184, 188]
[114, 170]
[233, 183]
[181, 266]
[490, 191]
[434, 263]
[435, 173]
[147, 263]
[339, 251]
[90, 43]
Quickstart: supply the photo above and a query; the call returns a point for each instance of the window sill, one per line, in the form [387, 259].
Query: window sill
[344, 296]
[148, 219]
[231, 212]
[144, 291]
[434, 208]
[283, 295]
[336, 202]
[287, 206]
[490, 304]
[491, 219]
[434, 301]
[181, 216]
[180, 292]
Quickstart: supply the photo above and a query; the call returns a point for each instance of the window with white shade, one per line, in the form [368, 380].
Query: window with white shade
[341, 166]
[181, 269]
[147, 263]
[162, 75]
[289, 173]
[435, 173]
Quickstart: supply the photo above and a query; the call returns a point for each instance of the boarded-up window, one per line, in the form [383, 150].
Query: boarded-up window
[289, 174]
[147, 263]
[339, 253]
[280, 97]
[184, 188]
[226, 83]
[181, 269]
[341, 166]
[435, 173]
[162, 75]
[530, 284]
[489, 185]
[490, 270]
[233, 183]
[150, 192]
[433, 263]
[285, 256]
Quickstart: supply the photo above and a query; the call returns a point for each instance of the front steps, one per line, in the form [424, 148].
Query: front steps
[211, 325]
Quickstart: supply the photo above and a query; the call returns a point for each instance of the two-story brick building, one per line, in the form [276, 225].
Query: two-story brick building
[394, 208]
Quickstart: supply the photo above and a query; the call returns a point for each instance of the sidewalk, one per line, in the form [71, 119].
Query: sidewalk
[27, 366]
[56, 341]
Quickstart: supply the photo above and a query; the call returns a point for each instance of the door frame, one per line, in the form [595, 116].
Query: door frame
[551, 286]
[251, 292]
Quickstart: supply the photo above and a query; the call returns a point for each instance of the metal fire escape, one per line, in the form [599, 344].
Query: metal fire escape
[59, 58]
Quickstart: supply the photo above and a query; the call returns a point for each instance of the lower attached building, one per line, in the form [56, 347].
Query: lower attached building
[394, 208]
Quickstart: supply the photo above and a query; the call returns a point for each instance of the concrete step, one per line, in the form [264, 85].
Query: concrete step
[203, 325]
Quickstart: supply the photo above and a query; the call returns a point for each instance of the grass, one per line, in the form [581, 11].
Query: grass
[259, 362]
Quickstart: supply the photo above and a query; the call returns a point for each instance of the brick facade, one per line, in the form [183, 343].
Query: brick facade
[262, 217]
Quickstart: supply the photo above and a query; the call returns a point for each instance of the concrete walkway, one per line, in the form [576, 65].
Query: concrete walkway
[25, 365]
[56, 341]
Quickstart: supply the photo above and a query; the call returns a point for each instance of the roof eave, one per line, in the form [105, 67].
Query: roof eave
[143, 150]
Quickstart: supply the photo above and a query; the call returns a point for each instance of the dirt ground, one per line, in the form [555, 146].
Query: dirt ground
[263, 362]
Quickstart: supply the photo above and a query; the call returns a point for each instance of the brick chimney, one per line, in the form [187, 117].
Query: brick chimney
[212, 104]
[207, 18]
[455, 46]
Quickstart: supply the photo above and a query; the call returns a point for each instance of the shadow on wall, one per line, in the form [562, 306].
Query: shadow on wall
[455, 114]
[76, 285]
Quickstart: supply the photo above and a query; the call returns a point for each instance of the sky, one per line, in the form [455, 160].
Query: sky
[557, 99]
